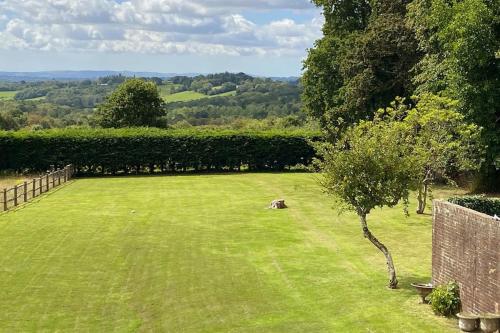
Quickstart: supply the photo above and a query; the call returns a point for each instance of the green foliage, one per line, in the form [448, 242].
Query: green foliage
[445, 299]
[254, 99]
[361, 64]
[479, 203]
[234, 99]
[442, 143]
[11, 119]
[134, 103]
[141, 149]
[460, 40]
[370, 166]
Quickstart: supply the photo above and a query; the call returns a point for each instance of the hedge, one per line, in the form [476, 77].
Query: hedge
[142, 149]
[479, 203]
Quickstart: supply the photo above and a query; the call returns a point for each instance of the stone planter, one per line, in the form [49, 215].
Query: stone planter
[423, 289]
[467, 322]
[489, 322]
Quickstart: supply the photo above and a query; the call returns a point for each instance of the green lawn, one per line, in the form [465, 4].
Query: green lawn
[7, 94]
[203, 254]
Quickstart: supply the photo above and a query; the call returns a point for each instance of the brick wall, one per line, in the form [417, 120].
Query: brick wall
[466, 249]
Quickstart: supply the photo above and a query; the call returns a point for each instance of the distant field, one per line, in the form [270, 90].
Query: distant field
[9, 180]
[184, 96]
[36, 99]
[203, 254]
[7, 94]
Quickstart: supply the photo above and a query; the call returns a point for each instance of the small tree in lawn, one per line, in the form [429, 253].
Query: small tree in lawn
[370, 166]
[441, 141]
[134, 103]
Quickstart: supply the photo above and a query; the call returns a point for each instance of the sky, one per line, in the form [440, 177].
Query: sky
[260, 37]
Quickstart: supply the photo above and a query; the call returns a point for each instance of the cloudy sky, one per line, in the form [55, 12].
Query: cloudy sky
[263, 37]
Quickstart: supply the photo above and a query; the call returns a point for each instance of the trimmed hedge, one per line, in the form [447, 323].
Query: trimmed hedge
[147, 150]
[479, 203]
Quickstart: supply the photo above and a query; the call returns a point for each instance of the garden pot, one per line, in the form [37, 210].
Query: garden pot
[467, 322]
[489, 323]
[423, 290]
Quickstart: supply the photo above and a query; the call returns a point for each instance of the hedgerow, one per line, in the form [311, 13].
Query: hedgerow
[144, 149]
[479, 203]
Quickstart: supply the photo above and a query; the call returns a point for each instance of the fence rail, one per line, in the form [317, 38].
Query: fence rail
[14, 196]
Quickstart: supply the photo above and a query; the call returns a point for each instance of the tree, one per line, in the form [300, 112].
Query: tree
[134, 103]
[369, 166]
[361, 64]
[460, 40]
[439, 138]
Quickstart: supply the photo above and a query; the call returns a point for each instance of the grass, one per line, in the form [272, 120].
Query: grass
[203, 254]
[6, 95]
[8, 180]
[184, 96]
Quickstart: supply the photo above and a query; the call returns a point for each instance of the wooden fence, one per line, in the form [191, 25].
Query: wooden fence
[12, 197]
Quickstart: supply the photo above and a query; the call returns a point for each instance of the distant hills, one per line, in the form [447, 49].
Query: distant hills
[78, 75]
[83, 75]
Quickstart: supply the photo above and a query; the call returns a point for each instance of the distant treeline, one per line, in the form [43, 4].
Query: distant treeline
[251, 102]
[138, 150]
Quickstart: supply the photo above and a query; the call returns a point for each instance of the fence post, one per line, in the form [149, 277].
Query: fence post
[47, 178]
[65, 174]
[53, 180]
[40, 180]
[25, 191]
[34, 187]
[15, 195]
[5, 207]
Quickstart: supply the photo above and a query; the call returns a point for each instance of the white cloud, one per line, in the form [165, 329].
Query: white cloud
[209, 27]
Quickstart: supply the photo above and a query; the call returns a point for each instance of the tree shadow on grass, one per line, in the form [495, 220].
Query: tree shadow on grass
[405, 282]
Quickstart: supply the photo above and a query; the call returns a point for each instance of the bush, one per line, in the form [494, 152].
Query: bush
[141, 149]
[480, 203]
[445, 299]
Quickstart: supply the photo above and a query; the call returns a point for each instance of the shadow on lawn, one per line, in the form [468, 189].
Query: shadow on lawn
[187, 173]
[405, 282]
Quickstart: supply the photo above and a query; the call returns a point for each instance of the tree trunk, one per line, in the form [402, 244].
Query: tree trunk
[422, 197]
[393, 281]
[422, 192]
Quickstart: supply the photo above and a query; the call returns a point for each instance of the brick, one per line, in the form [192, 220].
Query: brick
[466, 249]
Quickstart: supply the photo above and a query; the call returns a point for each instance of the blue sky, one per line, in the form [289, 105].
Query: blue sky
[262, 37]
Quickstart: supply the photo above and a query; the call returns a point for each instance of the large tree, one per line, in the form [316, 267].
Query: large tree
[361, 64]
[134, 103]
[461, 41]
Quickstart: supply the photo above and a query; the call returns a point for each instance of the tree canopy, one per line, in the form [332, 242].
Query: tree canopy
[369, 166]
[461, 41]
[134, 103]
[440, 140]
[361, 64]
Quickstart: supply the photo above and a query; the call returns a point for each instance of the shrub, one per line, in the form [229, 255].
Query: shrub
[480, 203]
[141, 149]
[445, 299]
